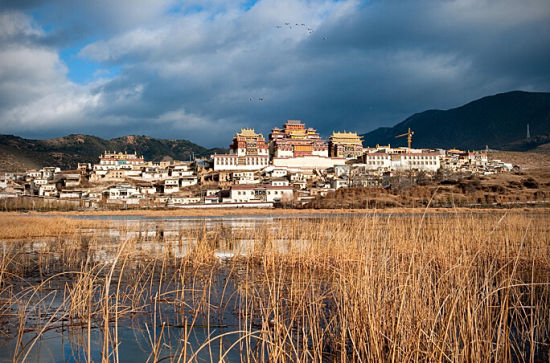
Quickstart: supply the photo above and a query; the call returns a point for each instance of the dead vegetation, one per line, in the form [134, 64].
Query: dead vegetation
[23, 227]
[516, 189]
[527, 160]
[458, 287]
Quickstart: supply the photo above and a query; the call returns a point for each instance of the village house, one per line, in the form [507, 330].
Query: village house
[212, 195]
[320, 191]
[244, 177]
[299, 184]
[244, 194]
[70, 194]
[36, 183]
[277, 193]
[123, 191]
[117, 161]
[48, 190]
[339, 183]
[180, 170]
[177, 201]
[3, 181]
[93, 196]
[188, 181]
[279, 182]
[70, 178]
[49, 172]
[171, 186]
[342, 170]
[278, 173]
[146, 189]
[209, 199]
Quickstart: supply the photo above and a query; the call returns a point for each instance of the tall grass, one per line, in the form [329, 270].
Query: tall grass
[457, 287]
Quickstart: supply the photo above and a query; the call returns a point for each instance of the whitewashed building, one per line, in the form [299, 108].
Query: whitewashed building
[171, 186]
[278, 193]
[188, 181]
[248, 151]
[244, 194]
[279, 182]
[123, 191]
[47, 190]
[416, 161]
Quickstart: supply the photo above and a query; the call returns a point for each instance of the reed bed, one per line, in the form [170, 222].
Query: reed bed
[19, 227]
[456, 287]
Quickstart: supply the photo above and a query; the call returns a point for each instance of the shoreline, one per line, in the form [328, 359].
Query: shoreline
[267, 212]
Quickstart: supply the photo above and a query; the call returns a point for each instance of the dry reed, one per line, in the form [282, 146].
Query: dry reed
[456, 287]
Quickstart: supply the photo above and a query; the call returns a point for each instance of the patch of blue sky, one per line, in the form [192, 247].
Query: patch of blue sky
[83, 71]
[39, 15]
[182, 9]
[80, 70]
[249, 4]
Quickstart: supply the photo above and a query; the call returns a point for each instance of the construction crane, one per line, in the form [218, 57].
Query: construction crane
[409, 135]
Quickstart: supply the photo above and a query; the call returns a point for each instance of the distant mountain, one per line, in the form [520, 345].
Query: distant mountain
[499, 121]
[17, 153]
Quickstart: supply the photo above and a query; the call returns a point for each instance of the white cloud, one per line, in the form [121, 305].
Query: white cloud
[14, 23]
[193, 66]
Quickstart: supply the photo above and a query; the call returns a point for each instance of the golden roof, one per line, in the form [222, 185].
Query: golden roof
[337, 135]
[248, 133]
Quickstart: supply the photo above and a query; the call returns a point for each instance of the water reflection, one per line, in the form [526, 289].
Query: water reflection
[171, 320]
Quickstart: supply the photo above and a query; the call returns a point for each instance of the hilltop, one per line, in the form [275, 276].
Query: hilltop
[498, 121]
[66, 152]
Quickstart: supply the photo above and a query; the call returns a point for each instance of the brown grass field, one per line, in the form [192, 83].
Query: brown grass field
[424, 287]
[527, 160]
[256, 211]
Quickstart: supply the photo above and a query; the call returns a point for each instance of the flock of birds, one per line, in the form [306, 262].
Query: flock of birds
[289, 26]
[299, 25]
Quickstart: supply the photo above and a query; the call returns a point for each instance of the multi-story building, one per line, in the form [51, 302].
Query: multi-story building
[345, 145]
[378, 161]
[295, 146]
[116, 161]
[171, 186]
[248, 151]
[260, 193]
[47, 190]
[294, 140]
[427, 161]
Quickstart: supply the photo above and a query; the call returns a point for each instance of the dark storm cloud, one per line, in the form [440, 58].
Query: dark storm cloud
[200, 74]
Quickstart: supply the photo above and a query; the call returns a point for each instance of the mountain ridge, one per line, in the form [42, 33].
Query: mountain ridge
[66, 152]
[498, 121]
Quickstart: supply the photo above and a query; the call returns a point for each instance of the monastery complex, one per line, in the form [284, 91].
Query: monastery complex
[295, 165]
[293, 146]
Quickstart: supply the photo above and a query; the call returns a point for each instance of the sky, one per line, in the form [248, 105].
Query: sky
[201, 70]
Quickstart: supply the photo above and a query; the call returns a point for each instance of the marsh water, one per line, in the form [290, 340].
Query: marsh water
[272, 287]
[166, 319]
